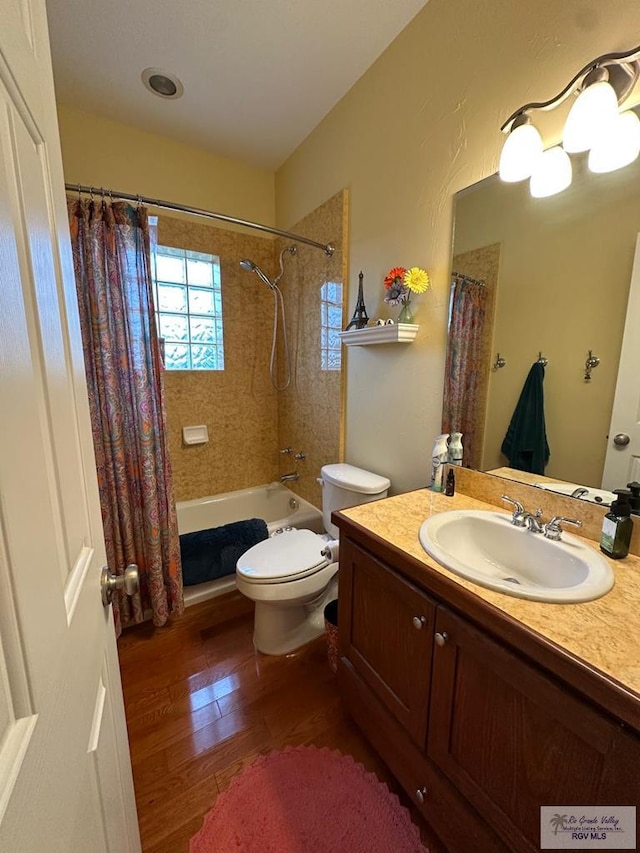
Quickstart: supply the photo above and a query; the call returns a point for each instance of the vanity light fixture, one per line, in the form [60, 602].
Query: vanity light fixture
[594, 124]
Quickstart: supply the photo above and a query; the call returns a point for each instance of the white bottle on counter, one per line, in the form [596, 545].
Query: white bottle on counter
[455, 448]
[439, 456]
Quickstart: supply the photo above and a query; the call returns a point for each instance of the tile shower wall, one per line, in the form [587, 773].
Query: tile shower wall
[310, 411]
[238, 404]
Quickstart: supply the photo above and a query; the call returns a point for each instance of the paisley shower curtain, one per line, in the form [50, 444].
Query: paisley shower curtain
[124, 376]
[466, 367]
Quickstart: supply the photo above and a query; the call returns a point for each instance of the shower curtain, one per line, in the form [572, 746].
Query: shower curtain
[463, 406]
[110, 243]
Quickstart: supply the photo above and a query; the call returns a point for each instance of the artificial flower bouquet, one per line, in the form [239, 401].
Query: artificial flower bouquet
[401, 282]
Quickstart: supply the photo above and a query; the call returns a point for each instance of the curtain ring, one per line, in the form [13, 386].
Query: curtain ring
[79, 193]
[91, 193]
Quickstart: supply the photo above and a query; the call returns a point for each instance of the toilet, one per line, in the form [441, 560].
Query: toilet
[287, 575]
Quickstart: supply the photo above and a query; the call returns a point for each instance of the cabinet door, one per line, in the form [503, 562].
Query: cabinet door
[386, 632]
[510, 739]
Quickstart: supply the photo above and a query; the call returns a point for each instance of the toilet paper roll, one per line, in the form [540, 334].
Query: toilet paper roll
[330, 550]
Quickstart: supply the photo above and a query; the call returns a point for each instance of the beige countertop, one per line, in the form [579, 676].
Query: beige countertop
[604, 634]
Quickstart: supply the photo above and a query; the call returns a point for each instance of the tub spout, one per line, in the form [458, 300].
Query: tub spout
[286, 478]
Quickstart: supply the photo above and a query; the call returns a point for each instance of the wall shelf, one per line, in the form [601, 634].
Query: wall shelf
[396, 333]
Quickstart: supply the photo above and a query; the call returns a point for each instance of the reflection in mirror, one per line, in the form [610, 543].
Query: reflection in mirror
[556, 273]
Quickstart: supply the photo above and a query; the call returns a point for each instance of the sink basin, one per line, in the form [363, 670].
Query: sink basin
[486, 548]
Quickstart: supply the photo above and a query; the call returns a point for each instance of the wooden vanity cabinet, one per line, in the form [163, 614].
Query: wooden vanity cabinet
[478, 735]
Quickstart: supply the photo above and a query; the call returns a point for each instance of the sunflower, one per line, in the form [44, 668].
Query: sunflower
[416, 280]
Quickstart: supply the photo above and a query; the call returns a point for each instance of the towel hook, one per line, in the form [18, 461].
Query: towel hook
[499, 362]
[542, 360]
[591, 362]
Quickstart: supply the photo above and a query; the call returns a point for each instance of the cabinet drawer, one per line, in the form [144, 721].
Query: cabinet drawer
[386, 632]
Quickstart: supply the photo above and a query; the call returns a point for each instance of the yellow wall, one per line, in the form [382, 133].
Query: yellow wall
[104, 153]
[422, 123]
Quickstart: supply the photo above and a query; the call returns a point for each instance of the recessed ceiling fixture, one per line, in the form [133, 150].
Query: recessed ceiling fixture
[164, 84]
[594, 124]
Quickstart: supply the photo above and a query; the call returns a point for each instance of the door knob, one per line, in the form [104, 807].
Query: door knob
[127, 581]
[441, 638]
[419, 622]
[621, 439]
[421, 793]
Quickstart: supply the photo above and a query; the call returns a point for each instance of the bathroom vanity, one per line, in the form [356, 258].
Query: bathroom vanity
[485, 706]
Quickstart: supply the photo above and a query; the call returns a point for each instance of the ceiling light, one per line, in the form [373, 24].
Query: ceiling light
[162, 83]
[593, 124]
[618, 146]
[552, 173]
[595, 108]
[521, 149]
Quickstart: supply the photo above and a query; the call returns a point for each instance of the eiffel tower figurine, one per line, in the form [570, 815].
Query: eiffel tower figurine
[360, 318]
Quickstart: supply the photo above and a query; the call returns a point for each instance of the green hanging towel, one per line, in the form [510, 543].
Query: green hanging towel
[525, 444]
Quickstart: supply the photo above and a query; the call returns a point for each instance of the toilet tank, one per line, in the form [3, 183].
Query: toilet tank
[345, 485]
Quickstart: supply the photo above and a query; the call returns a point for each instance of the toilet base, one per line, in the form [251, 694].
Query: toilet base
[280, 628]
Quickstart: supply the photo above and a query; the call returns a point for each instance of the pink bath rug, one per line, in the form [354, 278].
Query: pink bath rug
[307, 800]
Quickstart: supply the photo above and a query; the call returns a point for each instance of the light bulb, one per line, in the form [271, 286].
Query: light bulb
[520, 151]
[618, 145]
[594, 109]
[552, 173]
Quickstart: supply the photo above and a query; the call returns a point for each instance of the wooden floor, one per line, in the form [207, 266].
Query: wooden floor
[201, 705]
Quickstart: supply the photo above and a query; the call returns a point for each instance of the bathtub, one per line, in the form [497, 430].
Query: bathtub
[277, 505]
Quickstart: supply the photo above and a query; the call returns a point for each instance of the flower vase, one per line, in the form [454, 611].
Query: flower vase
[405, 315]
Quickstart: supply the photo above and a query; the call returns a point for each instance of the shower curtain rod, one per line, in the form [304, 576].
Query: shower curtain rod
[327, 248]
[468, 278]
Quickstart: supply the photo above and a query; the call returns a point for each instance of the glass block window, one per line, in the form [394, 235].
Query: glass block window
[188, 301]
[330, 325]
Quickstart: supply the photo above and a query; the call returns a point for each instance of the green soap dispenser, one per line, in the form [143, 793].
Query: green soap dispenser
[617, 526]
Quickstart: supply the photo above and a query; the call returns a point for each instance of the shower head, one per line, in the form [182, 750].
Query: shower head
[251, 266]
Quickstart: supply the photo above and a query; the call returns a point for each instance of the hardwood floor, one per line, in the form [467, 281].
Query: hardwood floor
[201, 704]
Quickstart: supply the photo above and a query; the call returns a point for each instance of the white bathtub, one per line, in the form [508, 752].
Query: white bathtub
[277, 505]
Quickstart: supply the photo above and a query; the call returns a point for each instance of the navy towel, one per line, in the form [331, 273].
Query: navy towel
[210, 554]
[525, 444]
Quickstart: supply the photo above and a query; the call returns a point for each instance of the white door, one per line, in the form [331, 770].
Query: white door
[65, 773]
[622, 462]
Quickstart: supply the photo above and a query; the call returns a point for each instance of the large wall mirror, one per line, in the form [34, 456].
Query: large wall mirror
[556, 273]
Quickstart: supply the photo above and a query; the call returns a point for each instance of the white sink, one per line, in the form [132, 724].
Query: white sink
[486, 548]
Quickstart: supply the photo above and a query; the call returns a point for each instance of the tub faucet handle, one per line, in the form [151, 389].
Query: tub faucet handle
[300, 456]
[287, 451]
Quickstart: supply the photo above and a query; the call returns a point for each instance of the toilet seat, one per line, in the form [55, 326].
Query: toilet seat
[293, 555]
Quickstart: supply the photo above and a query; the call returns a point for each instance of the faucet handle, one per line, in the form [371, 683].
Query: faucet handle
[519, 516]
[287, 451]
[553, 530]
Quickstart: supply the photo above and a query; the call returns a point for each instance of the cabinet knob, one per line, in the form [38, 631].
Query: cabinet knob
[421, 793]
[441, 637]
[419, 622]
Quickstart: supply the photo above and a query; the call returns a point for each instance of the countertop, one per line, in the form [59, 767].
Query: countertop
[604, 634]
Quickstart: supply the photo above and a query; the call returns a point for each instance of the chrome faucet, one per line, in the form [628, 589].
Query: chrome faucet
[579, 492]
[532, 521]
[286, 478]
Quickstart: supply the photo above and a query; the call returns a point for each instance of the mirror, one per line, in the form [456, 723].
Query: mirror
[557, 274]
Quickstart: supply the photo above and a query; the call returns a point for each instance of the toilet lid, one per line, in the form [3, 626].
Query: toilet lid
[291, 555]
